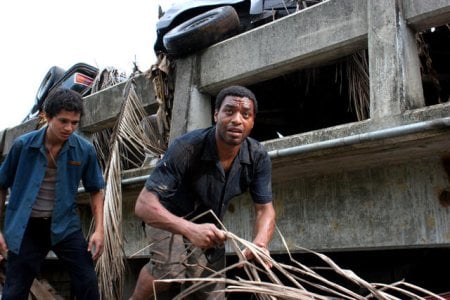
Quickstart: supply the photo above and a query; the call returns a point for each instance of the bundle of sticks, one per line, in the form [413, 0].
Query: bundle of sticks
[295, 280]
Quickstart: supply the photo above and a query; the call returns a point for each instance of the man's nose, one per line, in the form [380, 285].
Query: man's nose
[237, 118]
[69, 127]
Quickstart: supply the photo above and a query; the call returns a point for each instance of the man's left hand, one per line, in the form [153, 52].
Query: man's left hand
[96, 245]
[249, 255]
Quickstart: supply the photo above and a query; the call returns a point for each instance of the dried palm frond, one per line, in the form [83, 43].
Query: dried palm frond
[132, 154]
[133, 137]
[357, 67]
[107, 77]
[127, 133]
[163, 84]
[110, 266]
[296, 280]
[101, 140]
[426, 67]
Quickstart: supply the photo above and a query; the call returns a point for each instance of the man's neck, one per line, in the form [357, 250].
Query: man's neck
[227, 154]
[51, 142]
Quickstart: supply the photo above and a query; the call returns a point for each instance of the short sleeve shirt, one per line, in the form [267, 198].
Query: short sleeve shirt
[190, 179]
[23, 171]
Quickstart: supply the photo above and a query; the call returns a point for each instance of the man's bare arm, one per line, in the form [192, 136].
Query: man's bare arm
[152, 212]
[96, 241]
[263, 229]
[264, 224]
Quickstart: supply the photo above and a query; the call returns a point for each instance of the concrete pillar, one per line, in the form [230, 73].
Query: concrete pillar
[200, 115]
[394, 66]
[191, 109]
[2, 142]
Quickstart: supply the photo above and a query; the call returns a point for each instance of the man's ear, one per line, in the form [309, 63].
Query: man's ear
[46, 116]
[215, 115]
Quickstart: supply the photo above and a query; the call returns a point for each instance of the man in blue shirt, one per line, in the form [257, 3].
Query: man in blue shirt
[201, 171]
[43, 171]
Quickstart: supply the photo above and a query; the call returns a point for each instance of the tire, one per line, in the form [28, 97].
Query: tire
[201, 31]
[53, 75]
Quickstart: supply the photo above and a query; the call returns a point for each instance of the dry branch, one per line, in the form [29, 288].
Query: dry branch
[290, 281]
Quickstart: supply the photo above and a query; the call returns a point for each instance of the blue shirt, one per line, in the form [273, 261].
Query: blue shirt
[23, 171]
[190, 178]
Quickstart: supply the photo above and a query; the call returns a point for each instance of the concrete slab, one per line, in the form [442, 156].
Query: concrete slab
[379, 207]
[11, 134]
[422, 15]
[102, 108]
[314, 36]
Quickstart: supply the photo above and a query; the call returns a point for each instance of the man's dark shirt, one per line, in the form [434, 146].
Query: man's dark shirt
[190, 178]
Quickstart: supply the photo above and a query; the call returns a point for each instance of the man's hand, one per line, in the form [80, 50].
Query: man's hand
[249, 255]
[96, 244]
[264, 227]
[206, 235]
[3, 248]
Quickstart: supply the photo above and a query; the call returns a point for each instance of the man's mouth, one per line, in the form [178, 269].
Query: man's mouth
[235, 130]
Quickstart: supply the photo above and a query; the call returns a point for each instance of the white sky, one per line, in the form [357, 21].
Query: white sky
[36, 35]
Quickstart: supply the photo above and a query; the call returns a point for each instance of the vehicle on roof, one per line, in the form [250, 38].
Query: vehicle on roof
[189, 26]
[79, 78]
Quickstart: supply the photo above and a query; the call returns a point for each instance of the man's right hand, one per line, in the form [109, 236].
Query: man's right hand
[205, 236]
[3, 248]
[152, 212]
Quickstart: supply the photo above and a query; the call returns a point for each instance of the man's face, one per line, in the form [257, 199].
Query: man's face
[61, 126]
[234, 120]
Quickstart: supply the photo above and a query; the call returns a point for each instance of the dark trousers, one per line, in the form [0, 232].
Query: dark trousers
[22, 268]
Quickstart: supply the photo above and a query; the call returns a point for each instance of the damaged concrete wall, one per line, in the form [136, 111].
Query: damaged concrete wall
[379, 192]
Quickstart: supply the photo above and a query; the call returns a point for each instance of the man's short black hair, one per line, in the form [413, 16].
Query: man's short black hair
[238, 91]
[66, 99]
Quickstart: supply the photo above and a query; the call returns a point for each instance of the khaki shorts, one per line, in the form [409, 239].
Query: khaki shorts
[173, 257]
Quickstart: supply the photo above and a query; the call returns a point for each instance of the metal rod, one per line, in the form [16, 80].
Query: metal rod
[339, 142]
[363, 137]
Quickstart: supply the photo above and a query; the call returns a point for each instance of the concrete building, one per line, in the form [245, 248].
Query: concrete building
[372, 191]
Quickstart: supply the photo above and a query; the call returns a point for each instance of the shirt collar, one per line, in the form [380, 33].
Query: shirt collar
[39, 140]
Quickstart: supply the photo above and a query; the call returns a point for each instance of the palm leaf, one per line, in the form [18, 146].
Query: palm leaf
[134, 136]
[295, 280]
[128, 133]
[163, 85]
[357, 71]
